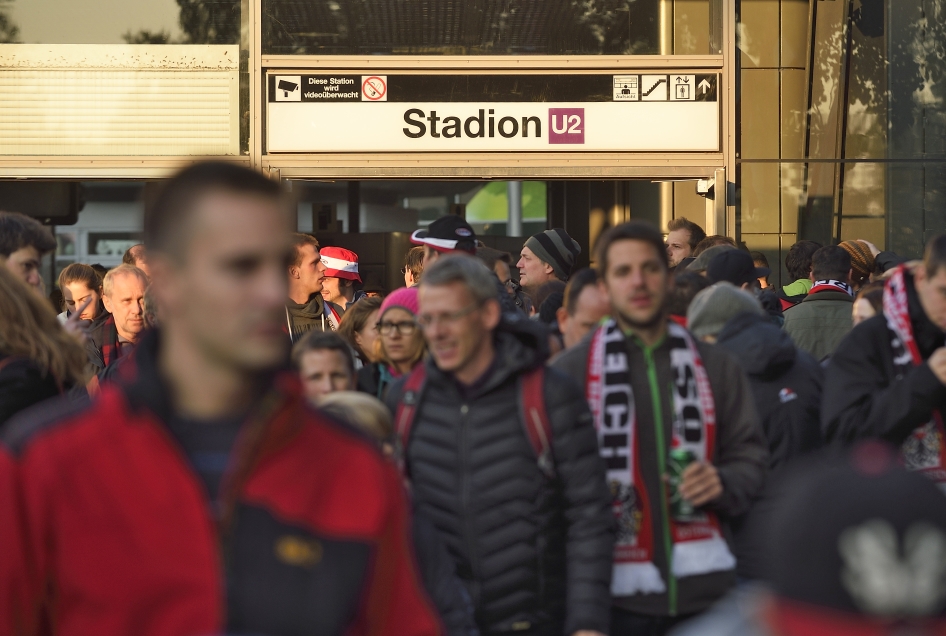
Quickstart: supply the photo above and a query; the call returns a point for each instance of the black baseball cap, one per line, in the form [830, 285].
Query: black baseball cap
[447, 234]
[736, 267]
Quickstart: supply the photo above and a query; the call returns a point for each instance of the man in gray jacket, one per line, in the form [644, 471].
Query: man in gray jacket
[665, 405]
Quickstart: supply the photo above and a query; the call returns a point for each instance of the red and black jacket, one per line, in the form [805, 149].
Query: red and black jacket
[106, 529]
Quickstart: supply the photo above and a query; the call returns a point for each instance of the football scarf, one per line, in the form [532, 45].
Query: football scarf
[924, 450]
[698, 546]
[831, 285]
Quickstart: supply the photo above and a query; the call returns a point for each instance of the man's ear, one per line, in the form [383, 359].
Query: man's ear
[294, 272]
[107, 302]
[549, 270]
[492, 313]
[561, 316]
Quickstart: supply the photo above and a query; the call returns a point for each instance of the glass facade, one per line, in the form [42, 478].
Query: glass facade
[841, 123]
[490, 27]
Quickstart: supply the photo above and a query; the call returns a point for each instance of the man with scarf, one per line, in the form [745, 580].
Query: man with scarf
[116, 333]
[887, 379]
[654, 390]
[820, 322]
[306, 310]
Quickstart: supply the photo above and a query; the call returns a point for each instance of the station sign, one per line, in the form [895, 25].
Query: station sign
[626, 112]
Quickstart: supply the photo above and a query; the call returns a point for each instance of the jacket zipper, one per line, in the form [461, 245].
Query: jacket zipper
[465, 498]
[662, 468]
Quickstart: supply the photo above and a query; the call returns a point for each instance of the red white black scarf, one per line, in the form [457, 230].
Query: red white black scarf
[924, 450]
[698, 547]
[831, 285]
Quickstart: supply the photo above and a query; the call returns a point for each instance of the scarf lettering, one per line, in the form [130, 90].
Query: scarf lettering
[698, 547]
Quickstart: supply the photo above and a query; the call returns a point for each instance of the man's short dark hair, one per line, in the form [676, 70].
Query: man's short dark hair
[934, 256]
[686, 285]
[682, 223]
[712, 241]
[631, 231]
[798, 259]
[322, 341]
[132, 254]
[581, 279]
[18, 231]
[167, 220]
[831, 263]
[300, 240]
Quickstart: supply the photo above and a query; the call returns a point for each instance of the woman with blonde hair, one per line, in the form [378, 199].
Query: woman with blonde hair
[359, 328]
[38, 358]
[400, 345]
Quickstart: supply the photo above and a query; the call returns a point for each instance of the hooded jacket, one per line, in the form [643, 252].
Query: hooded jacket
[314, 315]
[819, 323]
[534, 553]
[740, 457]
[863, 395]
[786, 384]
[108, 529]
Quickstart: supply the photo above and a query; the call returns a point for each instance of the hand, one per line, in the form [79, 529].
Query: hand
[700, 484]
[937, 364]
[75, 326]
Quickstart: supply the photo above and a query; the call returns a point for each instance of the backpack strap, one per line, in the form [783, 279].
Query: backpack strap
[535, 418]
[407, 412]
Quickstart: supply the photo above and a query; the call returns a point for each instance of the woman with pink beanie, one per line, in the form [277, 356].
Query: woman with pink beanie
[400, 345]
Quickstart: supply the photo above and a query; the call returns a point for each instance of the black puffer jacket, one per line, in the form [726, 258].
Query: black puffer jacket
[534, 553]
[786, 384]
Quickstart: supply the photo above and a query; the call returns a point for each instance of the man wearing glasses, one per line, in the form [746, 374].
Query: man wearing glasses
[531, 532]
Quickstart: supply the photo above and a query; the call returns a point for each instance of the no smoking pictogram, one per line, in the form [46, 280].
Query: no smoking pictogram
[374, 88]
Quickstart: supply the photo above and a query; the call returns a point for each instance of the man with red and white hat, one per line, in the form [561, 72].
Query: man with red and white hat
[341, 274]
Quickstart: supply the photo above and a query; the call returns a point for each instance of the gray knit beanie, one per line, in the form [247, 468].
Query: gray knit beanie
[713, 307]
[556, 248]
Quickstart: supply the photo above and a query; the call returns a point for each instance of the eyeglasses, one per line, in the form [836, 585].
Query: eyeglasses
[427, 321]
[403, 271]
[406, 328]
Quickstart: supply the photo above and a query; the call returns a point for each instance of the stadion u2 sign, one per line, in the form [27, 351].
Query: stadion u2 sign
[630, 112]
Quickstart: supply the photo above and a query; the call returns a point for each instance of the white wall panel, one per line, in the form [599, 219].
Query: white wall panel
[97, 100]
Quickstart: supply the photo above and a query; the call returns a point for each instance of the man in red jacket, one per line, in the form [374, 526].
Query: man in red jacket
[199, 494]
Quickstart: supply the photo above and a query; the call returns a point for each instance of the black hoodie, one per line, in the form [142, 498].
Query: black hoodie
[785, 381]
[535, 554]
[786, 384]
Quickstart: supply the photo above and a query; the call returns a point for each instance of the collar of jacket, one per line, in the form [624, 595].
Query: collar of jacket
[829, 295]
[312, 309]
[519, 347]
[273, 420]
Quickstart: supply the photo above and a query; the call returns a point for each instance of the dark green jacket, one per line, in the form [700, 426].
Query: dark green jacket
[302, 319]
[820, 322]
[740, 456]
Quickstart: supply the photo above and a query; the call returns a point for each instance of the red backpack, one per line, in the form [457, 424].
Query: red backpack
[533, 416]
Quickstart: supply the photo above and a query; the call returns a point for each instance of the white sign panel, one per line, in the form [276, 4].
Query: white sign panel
[613, 113]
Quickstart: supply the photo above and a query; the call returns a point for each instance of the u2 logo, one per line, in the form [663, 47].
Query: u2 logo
[566, 125]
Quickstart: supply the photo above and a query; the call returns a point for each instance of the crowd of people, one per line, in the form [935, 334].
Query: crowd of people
[227, 434]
